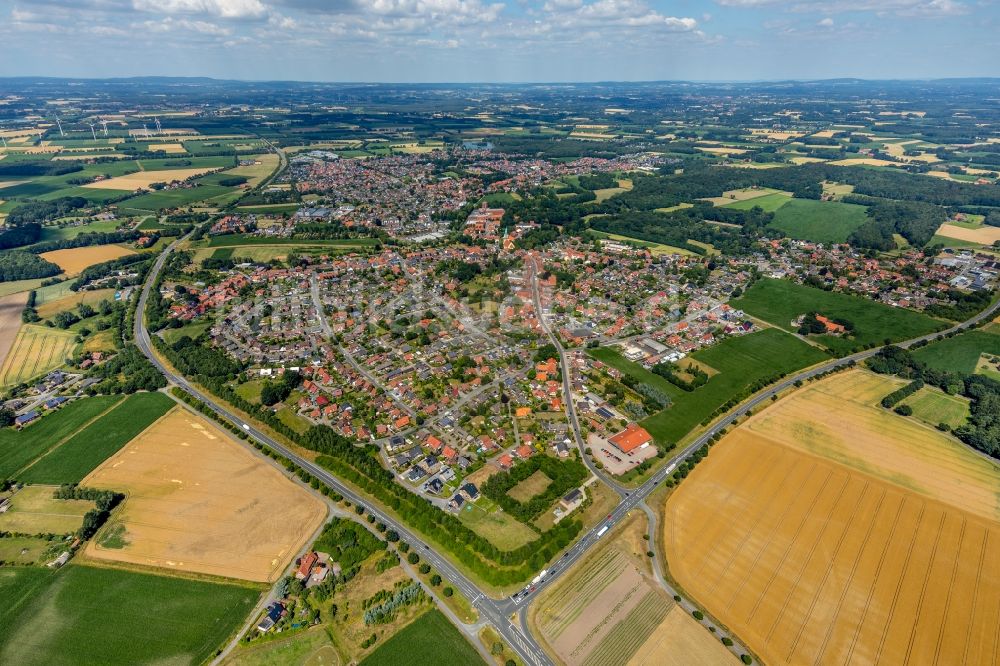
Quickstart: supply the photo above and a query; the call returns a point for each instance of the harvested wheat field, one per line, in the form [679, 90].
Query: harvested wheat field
[174, 148]
[608, 609]
[36, 350]
[198, 501]
[10, 321]
[865, 161]
[985, 235]
[821, 533]
[74, 260]
[681, 641]
[143, 179]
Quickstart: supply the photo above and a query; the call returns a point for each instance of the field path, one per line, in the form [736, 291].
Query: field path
[69, 436]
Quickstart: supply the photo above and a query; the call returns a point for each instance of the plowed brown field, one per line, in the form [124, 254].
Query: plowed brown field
[845, 558]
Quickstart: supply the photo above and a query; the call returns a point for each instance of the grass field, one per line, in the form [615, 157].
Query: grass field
[199, 502]
[740, 361]
[959, 353]
[19, 448]
[306, 648]
[768, 202]
[34, 511]
[818, 221]
[934, 406]
[501, 529]
[29, 550]
[52, 302]
[87, 615]
[36, 351]
[828, 530]
[72, 460]
[778, 302]
[192, 330]
[612, 357]
[430, 639]
[74, 260]
[533, 485]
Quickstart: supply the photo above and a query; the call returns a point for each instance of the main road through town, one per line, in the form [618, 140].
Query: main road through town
[498, 612]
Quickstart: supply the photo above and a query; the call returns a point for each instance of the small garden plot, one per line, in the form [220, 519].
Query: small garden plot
[31, 550]
[34, 511]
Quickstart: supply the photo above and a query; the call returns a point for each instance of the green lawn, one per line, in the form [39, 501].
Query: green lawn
[959, 353]
[818, 221]
[430, 639]
[741, 362]
[610, 356]
[156, 201]
[769, 202]
[192, 330]
[79, 455]
[934, 406]
[88, 615]
[19, 448]
[780, 301]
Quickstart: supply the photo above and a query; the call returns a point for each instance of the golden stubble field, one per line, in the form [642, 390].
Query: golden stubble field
[826, 530]
[143, 179]
[10, 321]
[985, 235]
[74, 260]
[197, 501]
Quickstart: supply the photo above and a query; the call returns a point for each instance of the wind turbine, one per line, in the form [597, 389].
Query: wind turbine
[157, 120]
[61, 133]
[4, 142]
[92, 131]
[104, 124]
[145, 130]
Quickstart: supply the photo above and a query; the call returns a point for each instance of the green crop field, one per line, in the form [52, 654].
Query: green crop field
[88, 615]
[741, 362]
[768, 203]
[818, 221]
[19, 448]
[71, 461]
[430, 639]
[780, 301]
[156, 201]
[959, 353]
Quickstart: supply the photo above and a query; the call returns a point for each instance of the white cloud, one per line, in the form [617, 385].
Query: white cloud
[182, 25]
[881, 7]
[826, 23]
[219, 8]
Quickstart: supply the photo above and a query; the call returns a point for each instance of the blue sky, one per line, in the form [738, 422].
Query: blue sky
[508, 40]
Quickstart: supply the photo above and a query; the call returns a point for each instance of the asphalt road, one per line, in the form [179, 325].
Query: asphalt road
[499, 611]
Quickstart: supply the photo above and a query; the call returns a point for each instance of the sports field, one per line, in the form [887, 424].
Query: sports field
[73, 459]
[34, 511]
[200, 502]
[778, 302]
[36, 350]
[74, 260]
[818, 221]
[88, 615]
[828, 530]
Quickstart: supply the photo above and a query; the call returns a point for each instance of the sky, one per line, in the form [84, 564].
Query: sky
[501, 40]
